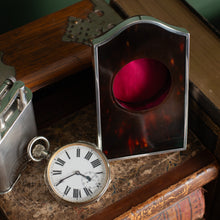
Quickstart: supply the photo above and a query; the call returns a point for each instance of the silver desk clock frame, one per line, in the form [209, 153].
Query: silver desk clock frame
[128, 132]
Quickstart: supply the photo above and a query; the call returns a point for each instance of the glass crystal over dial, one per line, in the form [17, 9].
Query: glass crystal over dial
[78, 173]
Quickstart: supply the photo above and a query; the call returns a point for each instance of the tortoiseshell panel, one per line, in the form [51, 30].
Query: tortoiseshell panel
[125, 132]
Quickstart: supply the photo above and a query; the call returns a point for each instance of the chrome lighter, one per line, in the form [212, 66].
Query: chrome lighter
[17, 128]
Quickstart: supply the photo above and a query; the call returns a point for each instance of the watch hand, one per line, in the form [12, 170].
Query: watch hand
[87, 177]
[66, 178]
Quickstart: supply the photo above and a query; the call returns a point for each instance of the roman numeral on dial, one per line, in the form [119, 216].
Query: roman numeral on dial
[96, 163]
[67, 190]
[78, 152]
[88, 192]
[60, 162]
[76, 193]
[88, 155]
[56, 172]
[67, 154]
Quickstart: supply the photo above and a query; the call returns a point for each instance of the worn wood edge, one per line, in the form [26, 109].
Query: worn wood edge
[166, 189]
[147, 212]
[35, 84]
[174, 193]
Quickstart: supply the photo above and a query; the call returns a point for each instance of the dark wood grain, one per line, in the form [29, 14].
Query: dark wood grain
[37, 51]
[167, 188]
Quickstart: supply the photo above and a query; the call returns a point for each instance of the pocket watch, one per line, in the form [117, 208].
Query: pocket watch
[77, 173]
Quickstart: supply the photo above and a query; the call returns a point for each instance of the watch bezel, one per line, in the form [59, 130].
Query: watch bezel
[93, 199]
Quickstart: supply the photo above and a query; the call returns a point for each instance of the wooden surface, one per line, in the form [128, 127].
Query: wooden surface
[204, 44]
[157, 179]
[37, 51]
[166, 189]
[191, 207]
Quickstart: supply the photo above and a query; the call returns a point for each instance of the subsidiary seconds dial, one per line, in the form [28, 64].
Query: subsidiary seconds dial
[78, 173]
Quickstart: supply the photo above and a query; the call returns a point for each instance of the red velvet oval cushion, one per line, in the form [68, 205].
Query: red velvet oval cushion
[141, 84]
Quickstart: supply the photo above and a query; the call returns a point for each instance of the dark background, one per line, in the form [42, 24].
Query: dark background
[15, 13]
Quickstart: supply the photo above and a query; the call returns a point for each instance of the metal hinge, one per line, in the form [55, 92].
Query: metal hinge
[102, 19]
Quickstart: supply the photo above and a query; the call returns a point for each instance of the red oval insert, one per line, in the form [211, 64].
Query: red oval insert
[141, 84]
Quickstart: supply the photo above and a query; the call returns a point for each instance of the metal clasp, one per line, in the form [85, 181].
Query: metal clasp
[99, 21]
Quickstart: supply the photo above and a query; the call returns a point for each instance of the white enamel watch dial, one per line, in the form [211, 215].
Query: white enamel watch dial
[78, 173]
